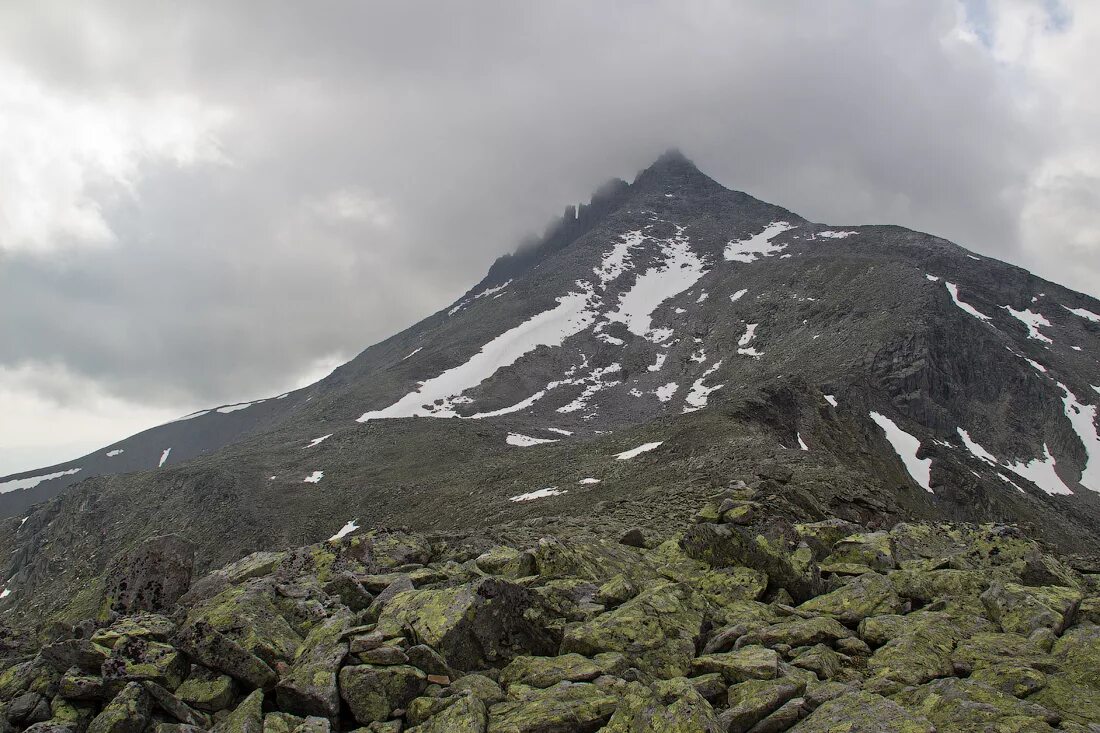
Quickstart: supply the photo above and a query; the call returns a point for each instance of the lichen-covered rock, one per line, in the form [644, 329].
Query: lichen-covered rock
[280, 722]
[29, 707]
[247, 717]
[506, 562]
[955, 705]
[472, 625]
[567, 707]
[725, 545]
[80, 653]
[960, 587]
[593, 560]
[656, 630]
[248, 615]
[1077, 654]
[873, 549]
[138, 659]
[152, 626]
[750, 702]
[747, 663]
[866, 595]
[210, 648]
[1023, 609]
[797, 632]
[615, 592]
[821, 660]
[174, 707]
[373, 693]
[207, 690]
[128, 712]
[548, 671]
[483, 688]
[466, 714]
[309, 688]
[862, 712]
[76, 685]
[672, 706]
[1071, 701]
[149, 577]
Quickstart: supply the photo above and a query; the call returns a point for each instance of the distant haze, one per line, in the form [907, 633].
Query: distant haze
[204, 203]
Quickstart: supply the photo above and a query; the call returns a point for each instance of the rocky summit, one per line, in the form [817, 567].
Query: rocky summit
[686, 462]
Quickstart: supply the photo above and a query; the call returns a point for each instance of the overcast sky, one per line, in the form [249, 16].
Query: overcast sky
[202, 203]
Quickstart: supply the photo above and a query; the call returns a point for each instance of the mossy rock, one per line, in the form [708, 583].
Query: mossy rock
[964, 587]
[136, 659]
[964, 706]
[567, 706]
[464, 714]
[549, 671]
[207, 690]
[873, 549]
[309, 688]
[656, 630]
[247, 717]
[594, 560]
[248, 615]
[144, 626]
[473, 625]
[1023, 609]
[128, 712]
[751, 701]
[866, 595]
[1072, 701]
[507, 562]
[862, 712]
[373, 693]
[747, 663]
[672, 706]
[797, 632]
[1078, 655]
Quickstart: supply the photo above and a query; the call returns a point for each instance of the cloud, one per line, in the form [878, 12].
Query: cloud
[212, 200]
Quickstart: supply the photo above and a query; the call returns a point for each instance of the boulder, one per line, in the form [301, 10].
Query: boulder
[1023, 609]
[466, 714]
[210, 648]
[309, 688]
[207, 690]
[873, 550]
[866, 595]
[506, 562]
[549, 671]
[671, 706]
[373, 693]
[247, 717]
[128, 712]
[967, 705]
[862, 712]
[747, 663]
[136, 659]
[750, 702]
[149, 577]
[656, 630]
[573, 707]
[797, 632]
[473, 625]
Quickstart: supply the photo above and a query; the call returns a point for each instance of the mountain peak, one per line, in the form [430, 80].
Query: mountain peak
[672, 169]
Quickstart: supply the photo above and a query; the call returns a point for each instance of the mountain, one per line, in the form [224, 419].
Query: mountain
[662, 343]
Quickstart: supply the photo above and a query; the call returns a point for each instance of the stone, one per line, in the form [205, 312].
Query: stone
[472, 625]
[29, 707]
[506, 562]
[872, 549]
[567, 706]
[866, 595]
[467, 714]
[128, 712]
[214, 650]
[656, 630]
[254, 616]
[82, 653]
[862, 712]
[751, 701]
[136, 659]
[75, 685]
[175, 707]
[1023, 609]
[821, 660]
[782, 719]
[207, 690]
[483, 688]
[615, 592]
[960, 705]
[373, 693]
[798, 632]
[310, 688]
[750, 662]
[149, 577]
[280, 722]
[152, 626]
[549, 671]
[673, 706]
[247, 717]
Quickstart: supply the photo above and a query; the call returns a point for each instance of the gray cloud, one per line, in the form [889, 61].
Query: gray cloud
[359, 165]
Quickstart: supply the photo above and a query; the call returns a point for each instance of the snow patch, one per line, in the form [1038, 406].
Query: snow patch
[830, 399]
[954, 290]
[976, 450]
[1083, 419]
[1086, 314]
[801, 442]
[933, 278]
[314, 478]
[30, 483]
[681, 269]
[626, 455]
[656, 366]
[738, 295]
[832, 234]
[318, 441]
[524, 441]
[345, 530]
[664, 393]
[412, 353]
[192, 416]
[614, 262]
[1036, 365]
[698, 394]
[5, 593]
[540, 494]
[234, 408]
[589, 481]
[115, 452]
[549, 328]
[521, 405]
[702, 296]
[906, 446]
[596, 383]
[1032, 320]
[746, 338]
[1041, 473]
[759, 245]
[164, 456]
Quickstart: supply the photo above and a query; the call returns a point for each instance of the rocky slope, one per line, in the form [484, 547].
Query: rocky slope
[653, 344]
[743, 622]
